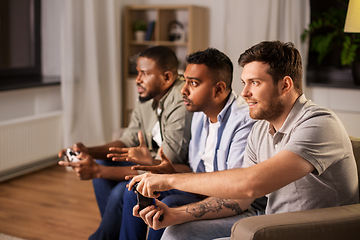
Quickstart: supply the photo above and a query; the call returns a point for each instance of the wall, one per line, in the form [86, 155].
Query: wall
[344, 102]
[20, 103]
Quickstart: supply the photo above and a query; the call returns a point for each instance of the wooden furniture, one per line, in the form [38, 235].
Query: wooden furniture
[194, 20]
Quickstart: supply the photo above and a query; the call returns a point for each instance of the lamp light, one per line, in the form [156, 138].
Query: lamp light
[352, 23]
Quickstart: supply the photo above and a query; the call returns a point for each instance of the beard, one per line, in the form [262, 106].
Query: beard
[271, 111]
[146, 98]
[150, 95]
[190, 106]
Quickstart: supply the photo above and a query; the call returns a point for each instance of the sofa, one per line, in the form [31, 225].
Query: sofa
[328, 223]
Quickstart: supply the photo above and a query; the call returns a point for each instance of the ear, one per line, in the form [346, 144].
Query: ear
[285, 85]
[219, 88]
[168, 75]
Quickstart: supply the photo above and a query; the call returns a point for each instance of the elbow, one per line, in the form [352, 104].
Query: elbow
[252, 192]
[253, 189]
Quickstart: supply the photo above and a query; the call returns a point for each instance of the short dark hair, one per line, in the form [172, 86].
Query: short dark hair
[283, 58]
[217, 62]
[164, 58]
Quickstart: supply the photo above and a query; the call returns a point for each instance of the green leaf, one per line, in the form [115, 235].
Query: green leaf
[348, 53]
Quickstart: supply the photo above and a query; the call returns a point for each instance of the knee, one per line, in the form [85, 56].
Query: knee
[172, 233]
[171, 201]
[130, 198]
[117, 192]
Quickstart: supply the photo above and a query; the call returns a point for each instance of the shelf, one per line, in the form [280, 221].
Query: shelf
[29, 82]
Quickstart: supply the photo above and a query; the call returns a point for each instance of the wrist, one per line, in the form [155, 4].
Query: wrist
[90, 151]
[98, 171]
[182, 215]
[171, 181]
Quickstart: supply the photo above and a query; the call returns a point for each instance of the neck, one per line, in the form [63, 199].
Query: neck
[216, 108]
[278, 122]
[162, 93]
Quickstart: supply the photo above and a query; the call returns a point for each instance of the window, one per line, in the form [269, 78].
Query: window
[329, 71]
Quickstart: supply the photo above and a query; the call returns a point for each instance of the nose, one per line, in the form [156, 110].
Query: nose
[184, 90]
[246, 91]
[138, 78]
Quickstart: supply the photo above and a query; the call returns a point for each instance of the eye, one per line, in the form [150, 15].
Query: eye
[255, 83]
[193, 83]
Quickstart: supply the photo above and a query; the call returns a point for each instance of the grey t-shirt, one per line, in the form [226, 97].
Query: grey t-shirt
[317, 135]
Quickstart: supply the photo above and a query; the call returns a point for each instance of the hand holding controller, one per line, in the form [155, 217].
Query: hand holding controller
[71, 155]
[143, 202]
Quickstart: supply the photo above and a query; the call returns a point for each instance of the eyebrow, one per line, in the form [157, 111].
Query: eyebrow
[251, 79]
[192, 78]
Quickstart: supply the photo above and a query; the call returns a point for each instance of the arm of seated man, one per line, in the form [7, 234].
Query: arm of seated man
[252, 182]
[210, 208]
[87, 168]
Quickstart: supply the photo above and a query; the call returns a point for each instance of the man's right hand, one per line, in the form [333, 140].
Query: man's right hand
[86, 168]
[164, 167]
[77, 147]
[138, 155]
[150, 185]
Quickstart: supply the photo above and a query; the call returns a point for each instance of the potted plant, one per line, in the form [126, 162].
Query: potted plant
[327, 35]
[139, 28]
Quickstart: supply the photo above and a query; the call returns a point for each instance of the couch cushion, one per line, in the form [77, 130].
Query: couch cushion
[356, 148]
[317, 224]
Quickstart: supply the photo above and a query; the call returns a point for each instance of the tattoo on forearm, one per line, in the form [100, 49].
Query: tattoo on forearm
[212, 205]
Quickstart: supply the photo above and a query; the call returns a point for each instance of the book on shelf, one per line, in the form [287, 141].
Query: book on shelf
[149, 31]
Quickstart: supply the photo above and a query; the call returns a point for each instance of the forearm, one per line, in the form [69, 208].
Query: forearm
[242, 183]
[211, 208]
[220, 184]
[100, 152]
[115, 173]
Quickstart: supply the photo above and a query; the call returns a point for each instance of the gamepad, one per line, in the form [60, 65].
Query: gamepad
[143, 202]
[71, 155]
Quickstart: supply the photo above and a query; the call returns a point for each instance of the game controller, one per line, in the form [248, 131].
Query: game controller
[143, 202]
[71, 155]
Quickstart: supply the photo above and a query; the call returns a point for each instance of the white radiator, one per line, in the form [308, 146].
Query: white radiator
[29, 143]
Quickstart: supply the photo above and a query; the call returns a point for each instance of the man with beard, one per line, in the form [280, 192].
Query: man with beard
[298, 154]
[219, 131]
[160, 119]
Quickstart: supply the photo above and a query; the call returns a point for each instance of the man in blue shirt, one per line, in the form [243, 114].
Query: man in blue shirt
[219, 131]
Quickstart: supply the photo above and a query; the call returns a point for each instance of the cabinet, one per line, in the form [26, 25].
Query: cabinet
[191, 20]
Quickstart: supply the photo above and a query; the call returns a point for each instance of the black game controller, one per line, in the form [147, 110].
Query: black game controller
[143, 202]
[71, 155]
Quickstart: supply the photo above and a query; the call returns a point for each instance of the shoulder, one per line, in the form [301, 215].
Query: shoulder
[312, 114]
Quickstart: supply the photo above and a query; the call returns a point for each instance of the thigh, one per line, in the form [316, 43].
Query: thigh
[103, 188]
[204, 229]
